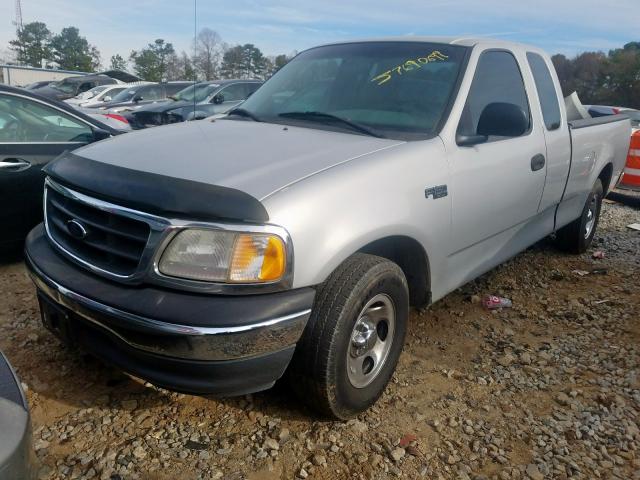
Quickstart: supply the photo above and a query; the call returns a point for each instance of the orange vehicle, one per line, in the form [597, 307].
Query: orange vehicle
[631, 177]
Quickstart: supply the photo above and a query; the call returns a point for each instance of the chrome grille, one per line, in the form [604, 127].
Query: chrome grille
[101, 238]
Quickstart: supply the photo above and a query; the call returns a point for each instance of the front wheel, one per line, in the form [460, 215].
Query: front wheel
[354, 337]
[578, 235]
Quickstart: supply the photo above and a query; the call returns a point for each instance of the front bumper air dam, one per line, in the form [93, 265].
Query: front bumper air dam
[213, 344]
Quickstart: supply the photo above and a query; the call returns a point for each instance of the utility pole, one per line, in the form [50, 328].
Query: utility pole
[18, 21]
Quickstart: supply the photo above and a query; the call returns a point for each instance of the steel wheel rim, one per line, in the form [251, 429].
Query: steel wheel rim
[370, 340]
[591, 217]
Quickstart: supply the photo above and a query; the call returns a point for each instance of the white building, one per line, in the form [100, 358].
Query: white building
[21, 76]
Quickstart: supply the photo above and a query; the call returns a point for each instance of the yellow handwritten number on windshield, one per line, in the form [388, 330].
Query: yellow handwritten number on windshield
[409, 65]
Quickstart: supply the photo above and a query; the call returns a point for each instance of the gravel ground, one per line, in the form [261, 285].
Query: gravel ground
[549, 389]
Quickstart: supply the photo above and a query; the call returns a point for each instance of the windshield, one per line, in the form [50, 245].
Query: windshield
[125, 95]
[65, 86]
[91, 93]
[200, 91]
[399, 89]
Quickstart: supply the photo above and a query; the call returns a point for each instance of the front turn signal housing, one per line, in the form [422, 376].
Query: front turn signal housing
[257, 258]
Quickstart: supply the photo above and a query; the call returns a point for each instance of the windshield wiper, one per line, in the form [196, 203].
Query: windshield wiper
[241, 112]
[330, 118]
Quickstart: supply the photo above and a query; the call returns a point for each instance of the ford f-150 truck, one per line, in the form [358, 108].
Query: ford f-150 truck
[294, 234]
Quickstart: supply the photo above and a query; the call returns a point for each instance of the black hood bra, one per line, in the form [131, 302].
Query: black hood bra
[153, 193]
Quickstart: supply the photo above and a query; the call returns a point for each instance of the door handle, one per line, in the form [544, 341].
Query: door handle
[14, 165]
[537, 162]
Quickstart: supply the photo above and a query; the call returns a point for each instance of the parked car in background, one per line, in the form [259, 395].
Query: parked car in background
[294, 233]
[138, 95]
[603, 110]
[33, 131]
[16, 450]
[195, 102]
[36, 85]
[72, 86]
[96, 96]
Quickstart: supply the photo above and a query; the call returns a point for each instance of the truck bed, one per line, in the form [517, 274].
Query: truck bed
[595, 143]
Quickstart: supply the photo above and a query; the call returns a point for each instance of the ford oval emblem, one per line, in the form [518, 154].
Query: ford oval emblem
[76, 229]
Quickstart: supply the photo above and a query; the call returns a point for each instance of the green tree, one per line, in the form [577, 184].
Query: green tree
[118, 63]
[564, 69]
[180, 67]
[244, 61]
[623, 76]
[151, 63]
[280, 61]
[73, 52]
[273, 64]
[32, 44]
[232, 63]
[188, 68]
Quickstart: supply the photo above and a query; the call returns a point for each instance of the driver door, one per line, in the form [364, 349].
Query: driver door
[497, 185]
[32, 133]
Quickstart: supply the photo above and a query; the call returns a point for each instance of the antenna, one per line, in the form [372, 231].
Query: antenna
[195, 53]
[18, 21]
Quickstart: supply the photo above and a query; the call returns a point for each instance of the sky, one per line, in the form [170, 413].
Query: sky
[284, 26]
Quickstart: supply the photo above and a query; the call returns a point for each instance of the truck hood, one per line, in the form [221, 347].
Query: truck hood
[253, 157]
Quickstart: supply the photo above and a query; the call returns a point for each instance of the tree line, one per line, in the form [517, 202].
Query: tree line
[611, 78]
[603, 79]
[35, 45]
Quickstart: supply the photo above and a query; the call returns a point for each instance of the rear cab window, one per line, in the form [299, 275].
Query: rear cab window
[546, 91]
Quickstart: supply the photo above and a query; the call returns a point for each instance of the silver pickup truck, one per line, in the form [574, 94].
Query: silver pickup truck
[293, 235]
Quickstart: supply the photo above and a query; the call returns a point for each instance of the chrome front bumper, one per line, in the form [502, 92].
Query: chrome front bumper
[175, 340]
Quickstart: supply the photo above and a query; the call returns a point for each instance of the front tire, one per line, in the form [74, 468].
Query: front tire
[354, 337]
[578, 235]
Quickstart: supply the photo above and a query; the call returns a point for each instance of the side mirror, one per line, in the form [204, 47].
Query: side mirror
[137, 98]
[106, 99]
[218, 99]
[470, 140]
[503, 120]
[100, 134]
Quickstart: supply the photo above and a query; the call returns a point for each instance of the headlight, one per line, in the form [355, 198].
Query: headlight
[223, 256]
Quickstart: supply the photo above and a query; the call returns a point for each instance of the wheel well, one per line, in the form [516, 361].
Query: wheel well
[412, 259]
[605, 177]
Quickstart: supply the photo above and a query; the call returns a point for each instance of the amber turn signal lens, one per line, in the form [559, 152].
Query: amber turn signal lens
[274, 260]
[257, 258]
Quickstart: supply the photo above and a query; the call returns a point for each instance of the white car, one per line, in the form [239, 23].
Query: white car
[96, 95]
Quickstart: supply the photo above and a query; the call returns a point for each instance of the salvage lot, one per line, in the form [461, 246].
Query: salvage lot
[547, 389]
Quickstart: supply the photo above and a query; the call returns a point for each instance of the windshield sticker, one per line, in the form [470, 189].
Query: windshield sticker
[409, 65]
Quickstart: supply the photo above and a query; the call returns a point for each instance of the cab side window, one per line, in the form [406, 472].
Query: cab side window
[251, 88]
[234, 93]
[546, 91]
[86, 86]
[497, 84]
[152, 92]
[23, 120]
[172, 89]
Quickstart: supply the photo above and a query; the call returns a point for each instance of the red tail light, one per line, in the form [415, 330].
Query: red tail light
[616, 111]
[115, 116]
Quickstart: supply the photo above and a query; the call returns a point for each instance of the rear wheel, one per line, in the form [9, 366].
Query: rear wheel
[354, 337]
[578, 235]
